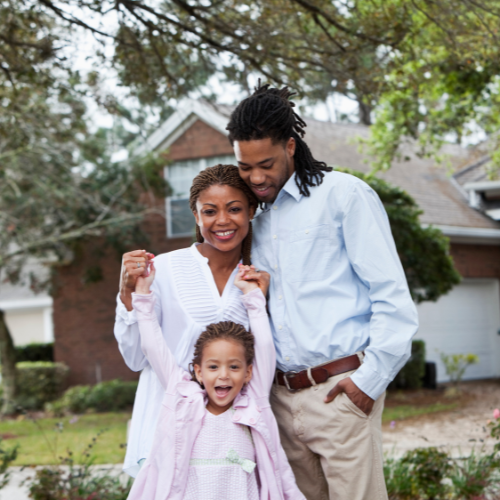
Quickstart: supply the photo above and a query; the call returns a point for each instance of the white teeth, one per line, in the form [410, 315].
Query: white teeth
[225, 233]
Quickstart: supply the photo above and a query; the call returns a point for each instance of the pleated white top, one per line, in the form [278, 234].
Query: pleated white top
[187, 301]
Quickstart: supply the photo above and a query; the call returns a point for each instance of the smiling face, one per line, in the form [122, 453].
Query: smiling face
[265, 166]
[223, 215]
[223, 372]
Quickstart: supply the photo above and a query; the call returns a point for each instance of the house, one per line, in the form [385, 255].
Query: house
[28, 315]
[467, 320]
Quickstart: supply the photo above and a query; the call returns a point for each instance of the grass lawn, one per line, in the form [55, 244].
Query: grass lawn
[43, 448]
[43, 444]
[403, 412]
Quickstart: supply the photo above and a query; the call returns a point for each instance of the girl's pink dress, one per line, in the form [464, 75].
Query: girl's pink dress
[222, 464]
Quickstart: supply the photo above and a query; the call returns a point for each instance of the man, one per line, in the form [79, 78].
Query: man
[341, 313]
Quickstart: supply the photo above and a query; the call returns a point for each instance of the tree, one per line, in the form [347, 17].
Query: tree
[424, 251]
[424, 65]
[58, 183]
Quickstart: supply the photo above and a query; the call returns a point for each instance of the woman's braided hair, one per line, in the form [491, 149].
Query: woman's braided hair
[268, 112]
[223, 175]
[224, 330]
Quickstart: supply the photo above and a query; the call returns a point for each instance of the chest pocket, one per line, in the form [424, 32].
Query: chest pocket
[310, 253]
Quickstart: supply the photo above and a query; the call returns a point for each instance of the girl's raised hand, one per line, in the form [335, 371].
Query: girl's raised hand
[244, 285]
[260, 277]
[145, 281]
[248, 278]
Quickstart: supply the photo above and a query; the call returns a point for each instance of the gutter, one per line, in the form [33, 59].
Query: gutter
[28, 303]
[478, 235]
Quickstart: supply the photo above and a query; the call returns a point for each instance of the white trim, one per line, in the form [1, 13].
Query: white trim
[188, 112]
[20, 304]
[48, 325]
[482, 186]
[460, 234]
[494, 213]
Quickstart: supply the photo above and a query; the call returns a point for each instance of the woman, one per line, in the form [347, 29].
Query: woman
[194, 287]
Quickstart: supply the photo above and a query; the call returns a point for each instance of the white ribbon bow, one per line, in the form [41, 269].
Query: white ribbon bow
[246, 465]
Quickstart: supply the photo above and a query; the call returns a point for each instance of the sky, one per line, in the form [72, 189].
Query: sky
[84, 46]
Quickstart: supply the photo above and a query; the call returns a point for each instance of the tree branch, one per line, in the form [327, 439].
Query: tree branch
[76, 233]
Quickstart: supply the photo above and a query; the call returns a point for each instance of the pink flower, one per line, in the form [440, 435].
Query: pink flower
[496, 413]
[74, 420]
[392, 424]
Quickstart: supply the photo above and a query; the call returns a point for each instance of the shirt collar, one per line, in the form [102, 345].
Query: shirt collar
[292, 189]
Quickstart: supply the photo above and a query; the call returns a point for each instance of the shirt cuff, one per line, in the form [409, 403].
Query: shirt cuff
[128, 317]
[143, 304]
[369, 381]
[255, 303]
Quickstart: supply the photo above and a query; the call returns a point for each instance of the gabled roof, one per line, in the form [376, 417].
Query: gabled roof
[441, 197]
[188, 111]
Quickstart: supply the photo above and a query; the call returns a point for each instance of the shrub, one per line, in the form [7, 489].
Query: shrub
[112, 395]
[429, 467]
[412, 373]
[427, 473]
[6, 459]
[474, 476]
[77, 481]
[398, 479]
[39, 382]
[74, 400]
[35, 352]
[456, 364]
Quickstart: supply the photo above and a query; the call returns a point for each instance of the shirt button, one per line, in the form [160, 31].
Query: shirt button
[280, 297]
[287, 359]
[236, 416]
[280, 327]
[307, 231]
[275, 207]
[276, 266]
[252, 420]
[274, 236]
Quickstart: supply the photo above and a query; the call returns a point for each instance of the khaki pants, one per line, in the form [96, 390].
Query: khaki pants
[334, 449]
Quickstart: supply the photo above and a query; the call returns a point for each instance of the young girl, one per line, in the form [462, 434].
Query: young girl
[216, 437]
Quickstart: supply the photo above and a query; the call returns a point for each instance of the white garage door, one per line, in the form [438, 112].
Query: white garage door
[467, 320]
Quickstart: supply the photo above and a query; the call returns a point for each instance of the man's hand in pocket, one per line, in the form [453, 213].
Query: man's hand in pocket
[357, 396]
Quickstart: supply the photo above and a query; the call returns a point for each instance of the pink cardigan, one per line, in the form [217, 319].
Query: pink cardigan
[164, 474]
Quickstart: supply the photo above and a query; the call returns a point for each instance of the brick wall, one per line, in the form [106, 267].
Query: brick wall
[199, 141]
[476, 261]
[84, 315]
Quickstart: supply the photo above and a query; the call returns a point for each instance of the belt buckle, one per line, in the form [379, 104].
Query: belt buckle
[285, 378]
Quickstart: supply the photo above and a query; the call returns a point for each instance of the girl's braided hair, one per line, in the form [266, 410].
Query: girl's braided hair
[223, 175]
[268, 112]
[224, 330]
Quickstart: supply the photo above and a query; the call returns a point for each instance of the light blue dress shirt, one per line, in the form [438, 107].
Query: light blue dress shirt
[337, 284]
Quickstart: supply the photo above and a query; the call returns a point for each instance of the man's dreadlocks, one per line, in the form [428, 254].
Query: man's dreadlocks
[268, 112]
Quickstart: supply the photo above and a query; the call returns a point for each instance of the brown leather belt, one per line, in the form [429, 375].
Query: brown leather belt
[295, 381]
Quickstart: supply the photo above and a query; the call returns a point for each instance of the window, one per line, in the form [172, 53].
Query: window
[180, 175]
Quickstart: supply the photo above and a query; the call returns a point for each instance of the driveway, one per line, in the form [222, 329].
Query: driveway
[459, 431]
